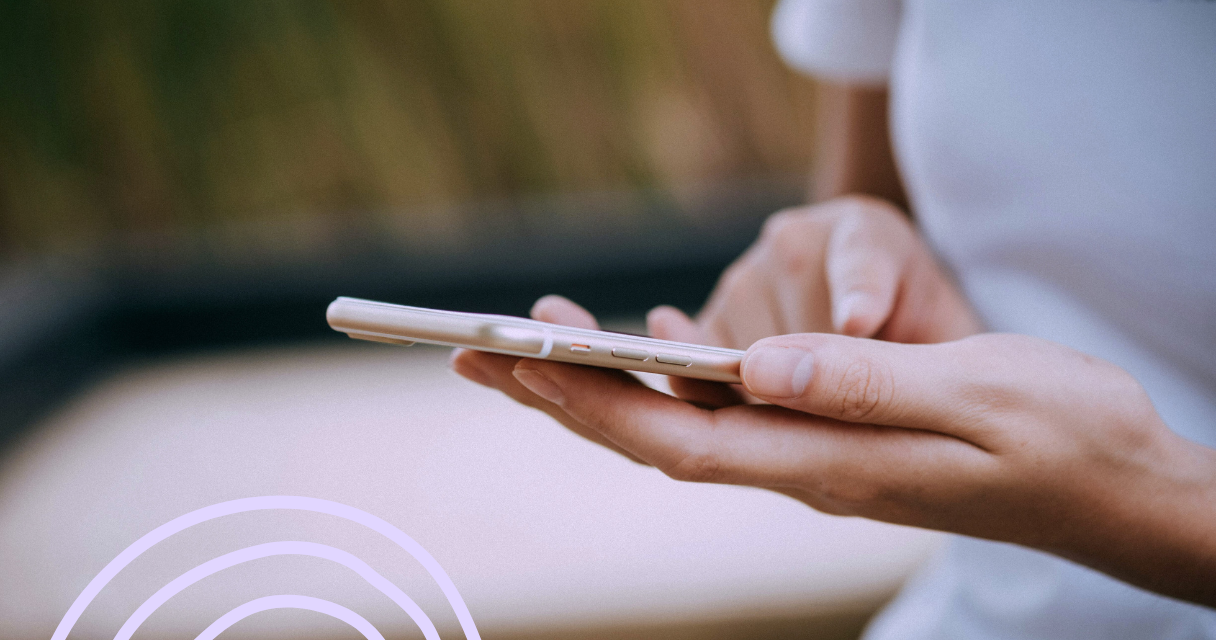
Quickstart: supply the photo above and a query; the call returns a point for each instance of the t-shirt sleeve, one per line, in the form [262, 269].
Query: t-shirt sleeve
[844, 40]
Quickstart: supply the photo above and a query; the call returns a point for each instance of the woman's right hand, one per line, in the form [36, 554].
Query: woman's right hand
[853, 265]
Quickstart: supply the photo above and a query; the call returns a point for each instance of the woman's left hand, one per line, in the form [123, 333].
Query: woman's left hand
[1004, 437]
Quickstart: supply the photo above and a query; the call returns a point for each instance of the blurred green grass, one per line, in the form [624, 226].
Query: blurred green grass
[168, 120]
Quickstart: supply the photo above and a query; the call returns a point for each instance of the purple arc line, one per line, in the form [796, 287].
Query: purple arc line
[240, 556]
[267, 603]
[297, 503]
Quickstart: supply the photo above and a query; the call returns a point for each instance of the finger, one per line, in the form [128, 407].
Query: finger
[755, 445]
[794, 244]
[669, 323]
[931, 308]
[678, 438]
[717, 305]
[467, 365]
[803, 300]
[741, 309]
[866, 381]
[866, 258]
[556, 309]
[496, 372]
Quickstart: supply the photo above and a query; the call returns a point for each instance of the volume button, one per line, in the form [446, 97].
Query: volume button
[630, 354]
[667, 358]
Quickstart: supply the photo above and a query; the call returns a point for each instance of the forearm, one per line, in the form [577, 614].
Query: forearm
[853, 145]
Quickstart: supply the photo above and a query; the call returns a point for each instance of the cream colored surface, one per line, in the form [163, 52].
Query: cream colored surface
[538, 529]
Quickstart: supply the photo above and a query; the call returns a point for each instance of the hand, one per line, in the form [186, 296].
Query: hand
[853, 265]
[998, 436]
[497, 371]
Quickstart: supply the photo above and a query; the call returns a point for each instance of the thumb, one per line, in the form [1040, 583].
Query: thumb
[857, 380]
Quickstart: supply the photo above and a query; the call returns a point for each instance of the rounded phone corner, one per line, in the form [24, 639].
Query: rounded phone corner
[334, 312]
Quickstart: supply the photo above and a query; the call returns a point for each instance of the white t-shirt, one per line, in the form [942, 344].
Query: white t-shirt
[1061, 158]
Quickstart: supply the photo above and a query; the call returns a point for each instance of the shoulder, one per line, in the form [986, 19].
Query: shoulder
[847, 40]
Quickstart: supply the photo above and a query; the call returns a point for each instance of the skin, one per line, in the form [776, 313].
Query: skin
[869, 390]
[853, 145]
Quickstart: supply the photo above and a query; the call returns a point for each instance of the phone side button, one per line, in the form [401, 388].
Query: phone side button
[580, 348]
[631, 354]
[667, 358]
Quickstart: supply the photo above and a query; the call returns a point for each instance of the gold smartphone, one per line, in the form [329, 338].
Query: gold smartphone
[402, 325]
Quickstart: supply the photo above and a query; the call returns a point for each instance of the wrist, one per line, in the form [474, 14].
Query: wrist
[1157, 529]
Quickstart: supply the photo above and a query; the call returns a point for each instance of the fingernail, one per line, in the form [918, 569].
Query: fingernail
[778, 372]
[845, 308]
[538, 383]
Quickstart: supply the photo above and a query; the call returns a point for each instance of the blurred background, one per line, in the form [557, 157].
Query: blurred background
[185, 185]
[224, 167]
[275, 128]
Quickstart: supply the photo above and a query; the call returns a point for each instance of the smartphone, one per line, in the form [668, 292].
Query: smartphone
[402, 325]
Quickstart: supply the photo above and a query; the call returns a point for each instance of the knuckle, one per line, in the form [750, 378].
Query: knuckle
[696, 466]
[862, 390]
[1133, 407]
[1124, 384]
[792, 239]
[871, 208]
[736, 275]
[779, 223]
[870, 218]
[851, 495]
